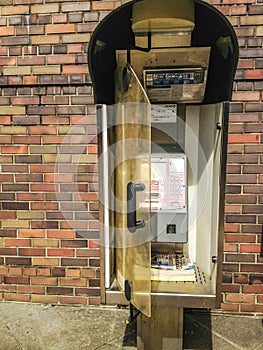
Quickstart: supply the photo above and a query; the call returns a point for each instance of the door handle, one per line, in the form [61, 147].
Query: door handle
[132, 222]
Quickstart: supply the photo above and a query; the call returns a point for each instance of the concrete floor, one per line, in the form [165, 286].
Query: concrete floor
[44, 327]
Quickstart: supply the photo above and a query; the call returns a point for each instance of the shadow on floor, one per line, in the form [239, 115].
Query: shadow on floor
[197, 330]
[130, 336]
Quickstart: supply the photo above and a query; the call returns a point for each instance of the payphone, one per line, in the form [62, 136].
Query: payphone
[162, 85]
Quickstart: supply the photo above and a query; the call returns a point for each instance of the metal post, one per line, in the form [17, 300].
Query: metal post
[163, 331]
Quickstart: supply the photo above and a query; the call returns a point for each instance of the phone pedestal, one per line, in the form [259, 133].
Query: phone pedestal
[162, 331]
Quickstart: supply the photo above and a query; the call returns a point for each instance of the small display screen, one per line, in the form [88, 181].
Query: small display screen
[171, 229]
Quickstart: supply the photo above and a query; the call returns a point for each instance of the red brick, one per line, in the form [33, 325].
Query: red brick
[8, 251]
[7, 233]
[31, 233]
[41, 168]
[245, 63]
[29, 140]
[251, 229]
[75, 282]
[17, 297]
[46, 281]
[44, 206]
[74, 48]
[94, 301]
[103, 5]
[3, 270]
[242, 199]
[7, 31]
[14, 149]
[232, 228]
[5, 120]
[25, 100]
[87, 291]
[60, 28]
[229, 307]
[61, 18]
[30, 196]
[29, 271]
[45, 261]
[41, 130]
[31, 252]
[254, 74]
[247, 307]
[242, 179]
[75, 7]
[11, 242]
[29, 177]
[43, 271]
[250, 248]
[74, 272]
[256, 279]
[44, 299]
[41, 224]
[74, 243]
[252, 289]
[8, 288]
[30, 80]
[60, 234]
[31, 289]
[67, 300]
[231, 257]
[60, 252]
[49, 139]
[246, 96]
[60, 290]
[18, 261]
[94, 244]
[43, 187]
[16, 280]
[15, 271]
[230, 247]
[58, 178]
[74, 262]
[252, 268]
[243, 138]
[77, 69]
[5, 139]
[240, 298]
[238, 10]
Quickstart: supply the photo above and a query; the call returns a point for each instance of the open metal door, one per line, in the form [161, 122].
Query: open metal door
[132, 184]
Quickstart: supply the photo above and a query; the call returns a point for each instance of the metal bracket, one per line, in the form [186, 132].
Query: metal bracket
[146, 49]
[218, 126]
[134, 313]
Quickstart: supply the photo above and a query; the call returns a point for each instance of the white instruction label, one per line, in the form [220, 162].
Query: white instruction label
[166, 113]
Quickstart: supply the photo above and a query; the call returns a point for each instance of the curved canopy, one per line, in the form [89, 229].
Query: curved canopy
[211, 29]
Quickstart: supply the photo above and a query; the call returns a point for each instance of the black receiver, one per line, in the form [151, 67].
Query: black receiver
[132, 222]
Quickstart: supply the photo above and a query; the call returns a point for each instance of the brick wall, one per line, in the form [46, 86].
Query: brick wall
[243, 252]
[49, 230]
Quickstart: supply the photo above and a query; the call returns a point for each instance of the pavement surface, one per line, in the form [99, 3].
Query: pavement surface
[45, 327]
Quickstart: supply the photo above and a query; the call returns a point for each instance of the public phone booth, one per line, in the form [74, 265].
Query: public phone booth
[162, 72]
